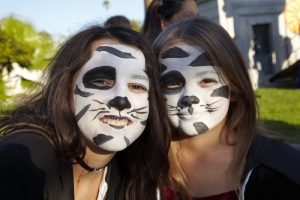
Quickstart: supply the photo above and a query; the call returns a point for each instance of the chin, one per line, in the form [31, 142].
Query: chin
[113, 148]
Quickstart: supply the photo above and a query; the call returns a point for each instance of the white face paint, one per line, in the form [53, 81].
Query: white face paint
[111, 97]
[197, 98]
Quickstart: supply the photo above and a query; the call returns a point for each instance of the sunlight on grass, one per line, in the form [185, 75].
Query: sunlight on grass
[280, 111]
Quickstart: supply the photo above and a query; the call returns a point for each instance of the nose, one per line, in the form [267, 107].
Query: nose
[120, 103]
[188, 101]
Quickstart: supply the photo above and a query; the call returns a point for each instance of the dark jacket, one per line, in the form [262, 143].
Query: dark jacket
[273, 170]
[30, 169]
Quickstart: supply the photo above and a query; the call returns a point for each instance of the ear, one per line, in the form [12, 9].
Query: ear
[163, 24]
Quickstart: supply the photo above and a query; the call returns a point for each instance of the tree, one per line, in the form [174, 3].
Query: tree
[136, 25]
[21, 43]
[14, 51]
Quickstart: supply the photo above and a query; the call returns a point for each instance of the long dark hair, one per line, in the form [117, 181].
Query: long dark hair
[243, 109]
[49, 111]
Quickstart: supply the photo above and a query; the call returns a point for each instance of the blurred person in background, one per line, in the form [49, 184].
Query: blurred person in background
[118, 20]
[161, 13]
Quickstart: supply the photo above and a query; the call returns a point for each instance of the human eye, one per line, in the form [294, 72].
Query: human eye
[173, 85]
[102, 82]
[137, 88]
[207, 82]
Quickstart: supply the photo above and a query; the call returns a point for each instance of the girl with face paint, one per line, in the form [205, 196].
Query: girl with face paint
[218, 151]
[86, 133]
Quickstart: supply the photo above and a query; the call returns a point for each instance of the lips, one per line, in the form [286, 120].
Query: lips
[115, 121]
[187, 116]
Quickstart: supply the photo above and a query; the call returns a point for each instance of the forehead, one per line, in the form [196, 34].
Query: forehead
[182, 54]
[186, 59]
[186, 48]
[115, 54]
[117, 45]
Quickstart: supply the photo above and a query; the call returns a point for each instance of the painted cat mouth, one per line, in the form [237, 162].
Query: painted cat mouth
[189, 116]
[115, 121]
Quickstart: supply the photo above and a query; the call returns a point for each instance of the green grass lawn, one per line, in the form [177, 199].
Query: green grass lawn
[280, 111]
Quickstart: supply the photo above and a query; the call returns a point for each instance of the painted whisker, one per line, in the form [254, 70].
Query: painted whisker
[101, 103]
[211, 103]
[100, 113]
[97, 109]
[211, 109]
[134, 116]
[138, 109]
[176, 108]
[141, 112]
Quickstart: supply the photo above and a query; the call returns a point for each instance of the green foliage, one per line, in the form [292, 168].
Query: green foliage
[3, 99]
[136, 25]
[21, 43]
[2, 95]
[280, 111]
[14, 51]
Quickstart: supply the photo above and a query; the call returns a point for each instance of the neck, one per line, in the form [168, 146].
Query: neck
[212, 140]
[95, 157]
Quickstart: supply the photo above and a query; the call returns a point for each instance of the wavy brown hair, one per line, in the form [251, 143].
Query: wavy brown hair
[243, 110]
[49, 111]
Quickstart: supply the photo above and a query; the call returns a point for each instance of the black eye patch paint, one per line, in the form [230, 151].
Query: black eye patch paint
[200, 127]
[222, 91]
[162, 68]
[172, 77]
[175, 52]
[103, 72]
[126, 141]
[202, 60]
[82, 93]
[115, 52]
[101, 138]
[82, 112]
[144, 122]
[146, 72]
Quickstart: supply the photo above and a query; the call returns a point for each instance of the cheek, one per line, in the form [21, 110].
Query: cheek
[138, 100]
[172, 99]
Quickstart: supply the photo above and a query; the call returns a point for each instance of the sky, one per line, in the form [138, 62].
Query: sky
[64, 17]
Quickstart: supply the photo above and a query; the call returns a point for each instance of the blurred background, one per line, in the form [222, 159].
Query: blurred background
[266, 31]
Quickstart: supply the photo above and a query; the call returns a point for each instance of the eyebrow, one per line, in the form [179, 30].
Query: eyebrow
[138, 76]
[115, 52]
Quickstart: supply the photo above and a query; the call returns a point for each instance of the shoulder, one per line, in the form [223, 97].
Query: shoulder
[275, 155]
[27, 162]
[267, 183]
[26, 145]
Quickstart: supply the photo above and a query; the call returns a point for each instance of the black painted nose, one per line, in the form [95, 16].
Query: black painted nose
[188, 101]
[120, 103]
